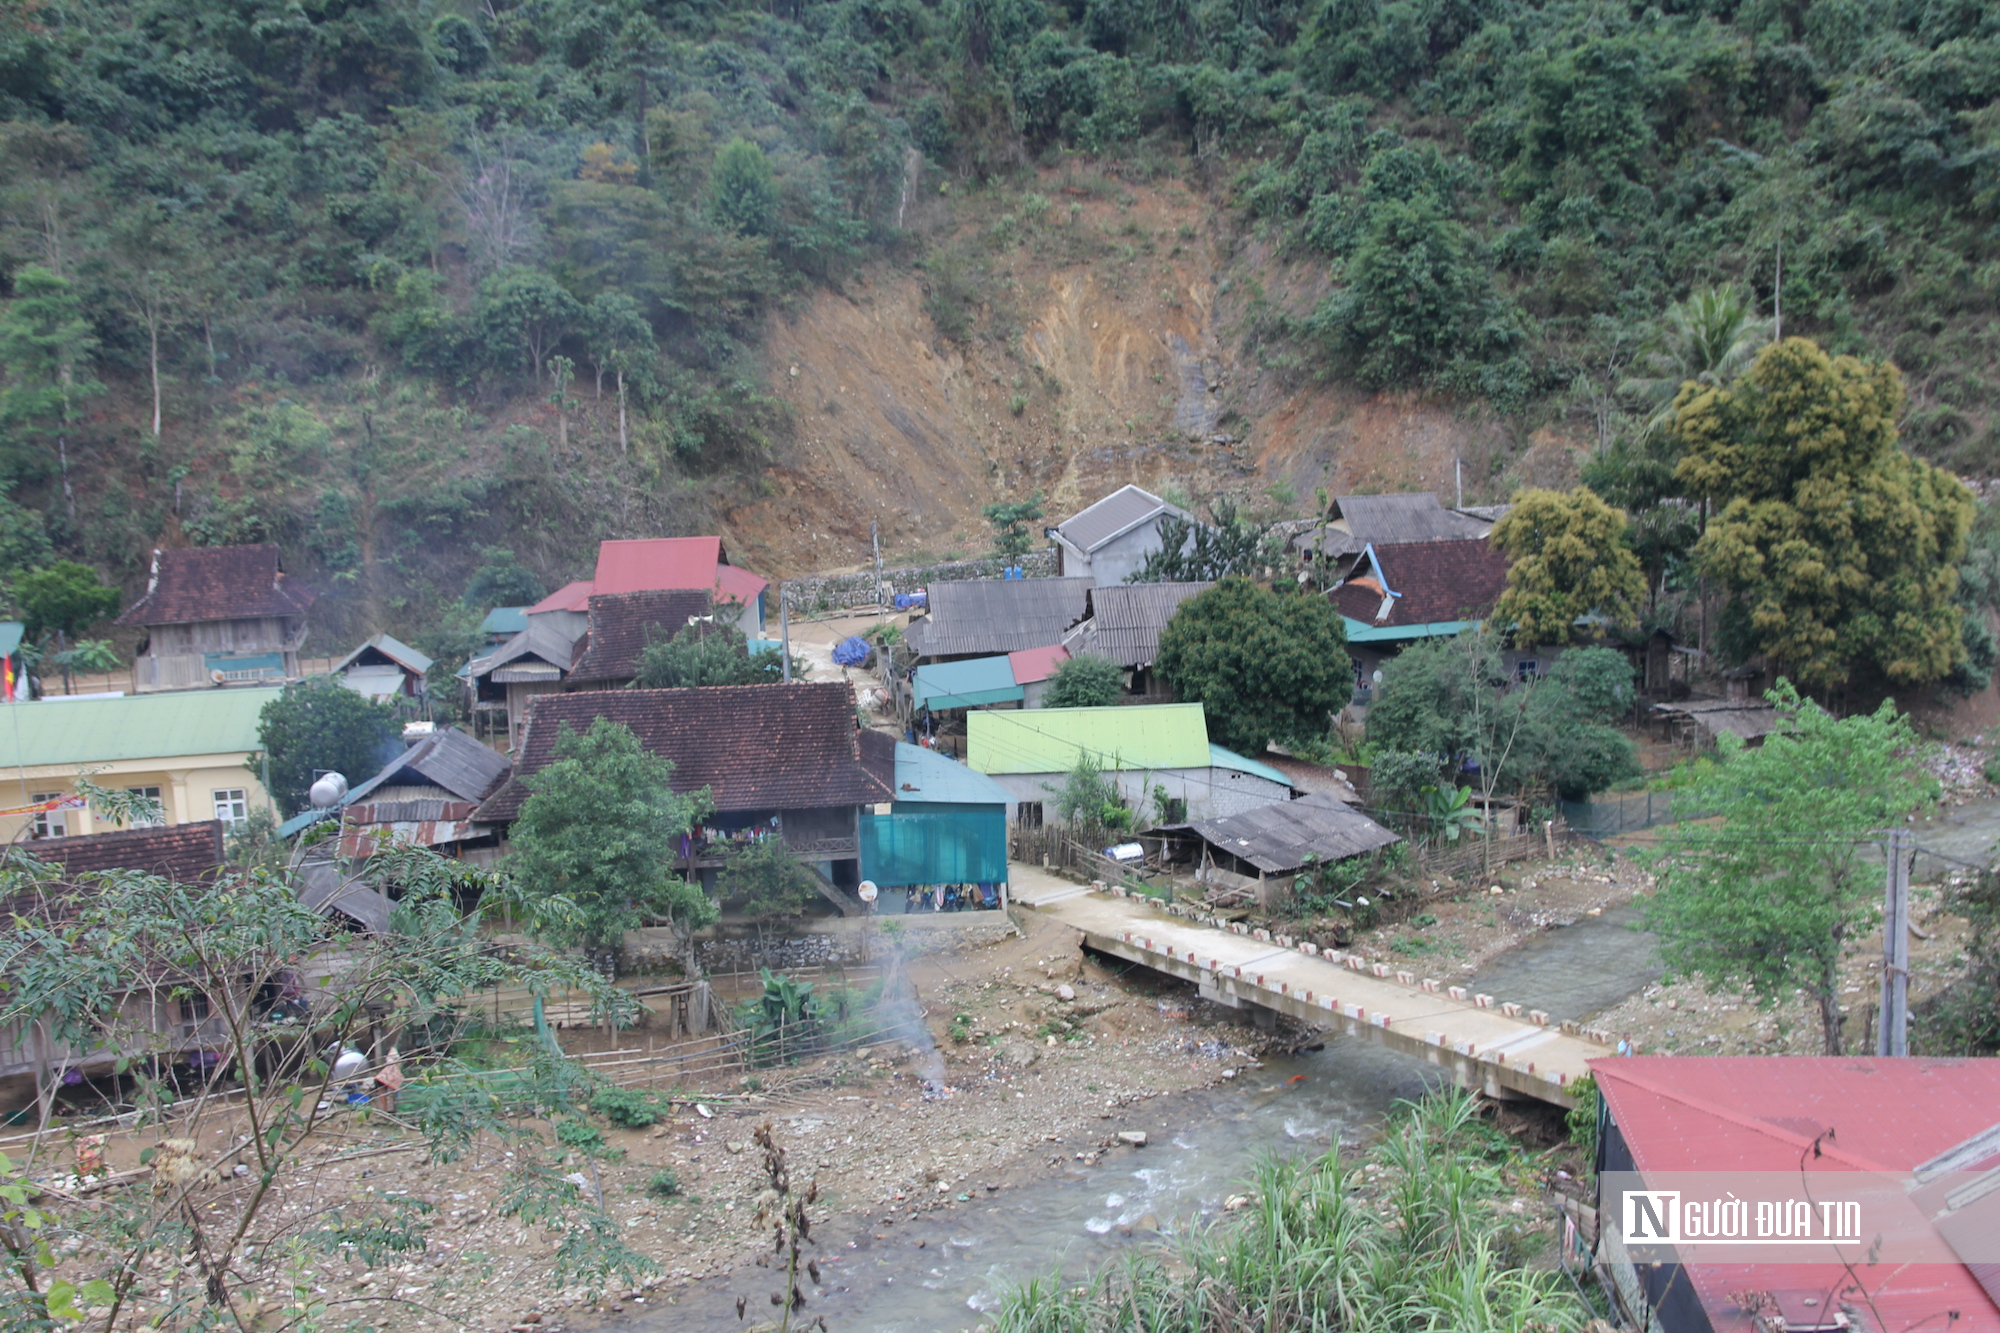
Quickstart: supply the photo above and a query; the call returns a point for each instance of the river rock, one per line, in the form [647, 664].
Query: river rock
[1065, 992]
[1135, 1137]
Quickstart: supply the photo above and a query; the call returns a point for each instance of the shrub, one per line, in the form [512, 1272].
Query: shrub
[663, 1184]
[626, 1108]
[580, 1135]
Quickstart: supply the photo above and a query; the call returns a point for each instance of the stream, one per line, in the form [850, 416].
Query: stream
[1202, 1146]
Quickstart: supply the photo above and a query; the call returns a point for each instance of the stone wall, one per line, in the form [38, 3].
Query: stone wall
[833, 592]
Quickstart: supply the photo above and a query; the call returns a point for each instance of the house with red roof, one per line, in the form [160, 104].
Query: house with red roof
[1391, 596]
[1825, 1129]
[660, 564]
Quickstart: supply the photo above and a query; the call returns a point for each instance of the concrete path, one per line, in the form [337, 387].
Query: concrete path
[1486, 1042]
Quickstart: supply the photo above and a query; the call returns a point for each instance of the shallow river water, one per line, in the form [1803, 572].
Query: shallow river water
[1201, 1147]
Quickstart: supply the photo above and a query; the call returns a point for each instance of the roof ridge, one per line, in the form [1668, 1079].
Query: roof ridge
[1756, 1124]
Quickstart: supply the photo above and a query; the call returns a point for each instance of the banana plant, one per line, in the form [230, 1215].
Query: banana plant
[1450, 811]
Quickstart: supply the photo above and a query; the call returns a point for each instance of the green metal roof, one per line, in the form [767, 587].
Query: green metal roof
[1048, 740]
[1442, 629]
[10, 636]
[57, 732]
[505, 620]
[930, 778]
[968, 684]
[1221, 758]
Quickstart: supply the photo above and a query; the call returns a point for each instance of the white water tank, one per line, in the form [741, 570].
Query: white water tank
[327, 791]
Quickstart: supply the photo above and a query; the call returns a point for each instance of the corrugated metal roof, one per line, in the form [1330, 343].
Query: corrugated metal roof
[1126, 619]
[541, 641]
[1356, 521]
[398, 653]
[1113, 516]
[968, 684]
[505, 620]
[449, 759]
[665, 563]
[1280, 837]
[1770, 1113]
[934, 779]
[1750, 719]
[980, 616]
[143, 726]
[1221, 758]
[1033, 664]
[572, 596]
[1049, 740]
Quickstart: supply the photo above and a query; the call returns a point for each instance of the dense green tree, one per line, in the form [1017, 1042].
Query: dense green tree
[1011, 535]
[45, 347]
[767, 884]
[1230, 543]
[1264, 665]
[1084, 681]
[594, 846]
[708, 655]
[1840, 549]
[1568, 557]
[59, 602]
[319, 725]
[524, 314]
[743, 196]
[1457, 701]
[502, 580]
[1710, 338]
[1773, 889]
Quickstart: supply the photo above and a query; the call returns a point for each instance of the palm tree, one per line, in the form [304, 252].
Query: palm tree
[1710, 338]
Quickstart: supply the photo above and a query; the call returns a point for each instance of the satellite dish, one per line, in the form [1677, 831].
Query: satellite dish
[867, 892]
[350, 1063]
[216, 677]
[328, 791]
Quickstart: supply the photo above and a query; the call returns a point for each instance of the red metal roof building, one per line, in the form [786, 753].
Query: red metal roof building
[665, 564]
[1790, 1114]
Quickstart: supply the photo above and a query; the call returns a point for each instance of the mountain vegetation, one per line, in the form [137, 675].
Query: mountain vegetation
[392, 283]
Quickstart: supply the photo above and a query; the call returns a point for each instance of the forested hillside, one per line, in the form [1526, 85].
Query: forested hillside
[390, 282]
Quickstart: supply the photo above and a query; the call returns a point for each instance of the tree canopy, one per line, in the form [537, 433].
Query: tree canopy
[707, 655]
[1774, 891]
[595, 843]
[1191, 551]
[1011, 535]
[1568, 557]
[1084, 681]
[1264, 665]
[1839, 549]
[1455, 701]
[320, 724]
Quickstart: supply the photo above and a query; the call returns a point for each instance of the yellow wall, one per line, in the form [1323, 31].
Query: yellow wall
[186, 785]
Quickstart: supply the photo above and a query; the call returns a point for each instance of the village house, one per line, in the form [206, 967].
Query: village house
[779, 761]
[945, 829]
[993, 617]
[503, 682]
[191, 751]
[620, 625]
[1124, 624]
[660, 564]
[1356, 522]
[1112, 538]
[1805, 1126]
[425, 797]
[1256, 855]
[1148, 754]
[188, 853]
[387, 670]
[217, 615]
[1391, 596]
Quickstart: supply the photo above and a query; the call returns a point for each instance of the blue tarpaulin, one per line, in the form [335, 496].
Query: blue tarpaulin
[851, 651]
[959, 844]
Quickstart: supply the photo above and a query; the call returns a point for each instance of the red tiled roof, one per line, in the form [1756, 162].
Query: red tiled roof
[183, 853]
[217, 583]
[756, 747]
[1434, 582]
[1682, 1113]
[623, 623]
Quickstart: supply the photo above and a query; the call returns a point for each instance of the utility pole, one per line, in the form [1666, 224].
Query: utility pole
[785, 632]
[1893, 1037]
[1458, 467]
[1778, 297]
[875, 541]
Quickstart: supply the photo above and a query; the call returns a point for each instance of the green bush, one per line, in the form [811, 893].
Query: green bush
[626, 1108]
[663, 1184]
[580, 1135]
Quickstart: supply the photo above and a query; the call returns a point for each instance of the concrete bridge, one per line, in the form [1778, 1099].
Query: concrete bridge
[1489, 1044]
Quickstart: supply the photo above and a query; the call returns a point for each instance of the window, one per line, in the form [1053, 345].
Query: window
[1527, 669]
[48, 824]
[1029, 814]
[194, 1012]
[152, 794]
[230, 805]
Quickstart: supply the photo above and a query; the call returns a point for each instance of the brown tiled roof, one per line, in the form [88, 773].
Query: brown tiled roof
[878, 756]
[623, 623]
[217, 583]
[755, 747]
[1434, 582]
[184, 853]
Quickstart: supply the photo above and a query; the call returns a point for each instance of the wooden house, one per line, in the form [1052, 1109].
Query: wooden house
[385, 668]
[778, 761]
[218, 615]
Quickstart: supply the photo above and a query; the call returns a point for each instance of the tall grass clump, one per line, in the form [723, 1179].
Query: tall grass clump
[1417, 1245]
